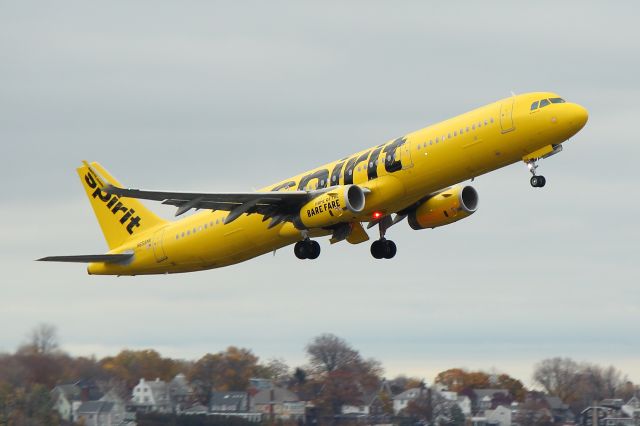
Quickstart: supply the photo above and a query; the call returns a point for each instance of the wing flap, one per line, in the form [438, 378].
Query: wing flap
[89, 258]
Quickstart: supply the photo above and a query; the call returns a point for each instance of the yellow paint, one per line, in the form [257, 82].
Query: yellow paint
[432, 158]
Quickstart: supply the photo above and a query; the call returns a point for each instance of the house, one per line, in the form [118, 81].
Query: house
[370, 402]
[68, 397]
[278, 403]
[66, 400]
[500, 416]
[100, 413]
[180, 393]
[486, 399]
[229, 402]
[632, 409]
[402, 400]
[151, 396]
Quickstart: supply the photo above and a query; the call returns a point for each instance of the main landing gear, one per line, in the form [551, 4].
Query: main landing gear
[383, 248]
[307, 249]
[537, 181]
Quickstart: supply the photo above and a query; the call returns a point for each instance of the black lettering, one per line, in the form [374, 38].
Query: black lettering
[112, 202]
[372, 167]
[308, 213]
[90, 181]
[316, 210]
[349, 170]
[322, 176]
[285, 185]
[98, 193]
[119, 207]
[135, 221]
[392, 162]
[127, 215]
[335, 174]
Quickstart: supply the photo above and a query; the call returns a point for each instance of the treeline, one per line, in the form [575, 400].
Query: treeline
[336, 374]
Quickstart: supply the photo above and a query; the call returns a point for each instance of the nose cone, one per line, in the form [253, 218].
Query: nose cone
[579, 116]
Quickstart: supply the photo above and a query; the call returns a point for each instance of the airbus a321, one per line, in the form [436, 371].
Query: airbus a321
[416, 177]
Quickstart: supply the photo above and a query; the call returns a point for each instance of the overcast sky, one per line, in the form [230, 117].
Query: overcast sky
[230, 96]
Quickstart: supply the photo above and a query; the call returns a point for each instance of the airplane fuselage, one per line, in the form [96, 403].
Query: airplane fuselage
[398, 174]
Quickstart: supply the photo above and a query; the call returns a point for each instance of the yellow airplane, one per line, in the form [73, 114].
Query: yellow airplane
[415, 177]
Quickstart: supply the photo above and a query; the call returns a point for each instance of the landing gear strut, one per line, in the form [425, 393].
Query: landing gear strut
[383, 248]
[537, 181]
[307, 249]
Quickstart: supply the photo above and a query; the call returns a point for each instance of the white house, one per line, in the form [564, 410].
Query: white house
[401, 400]
[500, 416]
[151, 396]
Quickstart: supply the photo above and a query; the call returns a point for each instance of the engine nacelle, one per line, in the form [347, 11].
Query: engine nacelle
[446, 207]
[339, 204]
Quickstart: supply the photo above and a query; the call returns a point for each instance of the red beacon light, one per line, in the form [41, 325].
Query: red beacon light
[377, 215]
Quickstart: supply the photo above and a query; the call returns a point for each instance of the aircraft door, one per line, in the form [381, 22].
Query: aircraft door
[506, 115]
[158, 248]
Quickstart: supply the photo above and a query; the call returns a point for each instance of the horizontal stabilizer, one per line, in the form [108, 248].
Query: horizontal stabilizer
[88, 258]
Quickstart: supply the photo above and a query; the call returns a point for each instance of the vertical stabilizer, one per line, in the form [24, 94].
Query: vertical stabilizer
[119, 218]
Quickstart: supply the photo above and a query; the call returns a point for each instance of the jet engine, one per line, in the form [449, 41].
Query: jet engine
[445, 207]
[339, 204]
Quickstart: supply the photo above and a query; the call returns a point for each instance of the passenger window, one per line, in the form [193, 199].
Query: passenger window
[534, 105]
[544, 103]
[557, 100]
[491, 119]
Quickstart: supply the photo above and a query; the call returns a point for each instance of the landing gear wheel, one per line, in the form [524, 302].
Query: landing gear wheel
[307, 249]
[383, 249]
[378, 249]
[313, 249]
[299, 250]
[390, 249]
[538, 181]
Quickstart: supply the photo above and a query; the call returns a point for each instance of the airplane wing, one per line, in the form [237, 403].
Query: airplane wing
[277, 205]
[88, 258]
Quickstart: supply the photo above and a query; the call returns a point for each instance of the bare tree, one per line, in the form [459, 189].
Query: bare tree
[328, 352]
[42, 340]
[558, 376]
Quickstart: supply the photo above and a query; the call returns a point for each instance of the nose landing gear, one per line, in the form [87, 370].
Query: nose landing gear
[537, 181]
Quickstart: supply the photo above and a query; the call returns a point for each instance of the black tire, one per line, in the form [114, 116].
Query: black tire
[378, 249]
[313, 249]
[390, 249]
[535, 181]
[299, 250]
[541, 181]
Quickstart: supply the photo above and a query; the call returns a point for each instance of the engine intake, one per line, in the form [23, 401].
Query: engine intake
[340, 204]
[446, 207]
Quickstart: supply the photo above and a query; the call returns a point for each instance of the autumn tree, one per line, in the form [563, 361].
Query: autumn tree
[514, 386]
[457, 379]
[229, 370]
[130, 366]
[402, 383]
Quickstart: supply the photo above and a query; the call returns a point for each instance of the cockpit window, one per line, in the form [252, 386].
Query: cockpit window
[544, 103]
[557, 100]
[534, 105]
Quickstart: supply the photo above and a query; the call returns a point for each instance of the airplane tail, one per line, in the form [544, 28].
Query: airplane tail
[119, 218]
